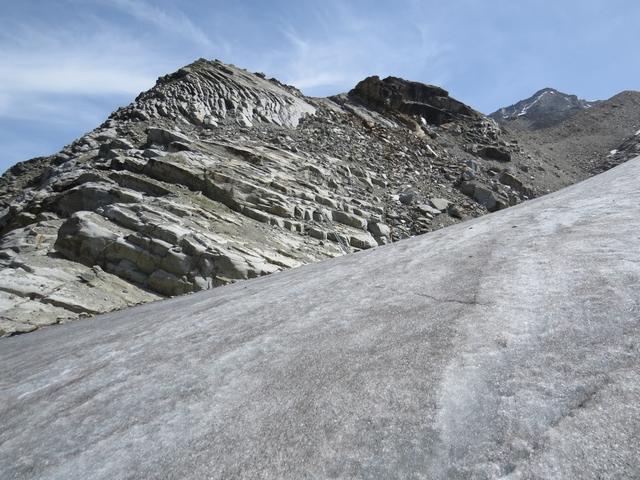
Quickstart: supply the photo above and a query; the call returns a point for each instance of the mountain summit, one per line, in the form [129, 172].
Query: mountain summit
[545, 108]
[206, 93]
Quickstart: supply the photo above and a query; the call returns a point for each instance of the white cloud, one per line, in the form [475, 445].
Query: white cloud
[346, 46]
[103, 61]
[66, 74]
[89, 56]
[77, 75]
[173, 21]
[63, 110]
[71, 76]
[98, 54]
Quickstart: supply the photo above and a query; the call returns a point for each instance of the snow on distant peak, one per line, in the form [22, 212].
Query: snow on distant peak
[544, 108]
[526, 108]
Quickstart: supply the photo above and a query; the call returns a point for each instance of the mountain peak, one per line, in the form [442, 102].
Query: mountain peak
[208, 93]
[545, 108]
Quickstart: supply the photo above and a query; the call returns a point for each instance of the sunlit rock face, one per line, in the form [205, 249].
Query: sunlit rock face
[217, 175]
[501, 347]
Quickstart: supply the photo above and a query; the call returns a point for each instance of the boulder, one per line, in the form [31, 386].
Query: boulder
[507, 178]
[349, 219]
[168, 284]
[84, 238]
[317, 233]
[455, 211]
[257, 215]
[11, 327]
[470, 170]
[90, 196]
[362, 241]
[230, 265]
[484, 196]
[439, 204]
[408, 197]
[495, 153]
[428, 210]
[176, 262]
[163, 137]
[379, 229]
[116, 144]
[178, 147]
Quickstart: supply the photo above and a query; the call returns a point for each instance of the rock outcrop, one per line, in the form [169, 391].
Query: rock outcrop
[504, 347]
[431, 104]
[217, 175]
[628, 149]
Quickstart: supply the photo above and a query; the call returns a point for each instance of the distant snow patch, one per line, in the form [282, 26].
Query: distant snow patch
[527, 107]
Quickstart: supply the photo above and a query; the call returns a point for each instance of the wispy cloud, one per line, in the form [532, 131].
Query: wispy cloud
[346, 46]
[64, 110]
[173, 20]
[78, 62]
[67, 80]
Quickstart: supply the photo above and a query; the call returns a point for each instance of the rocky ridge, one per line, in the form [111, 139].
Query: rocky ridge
[588, 142]
[545, 108]
[217, 175]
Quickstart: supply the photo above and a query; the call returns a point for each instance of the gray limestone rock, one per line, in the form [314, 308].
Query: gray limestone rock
[349, 219]
[478, 351]
[164, 137]
[217, 175]
[430, 210]
[169, 284]
[379, 229]
[485, 196]
[440, 204]
[362, 240]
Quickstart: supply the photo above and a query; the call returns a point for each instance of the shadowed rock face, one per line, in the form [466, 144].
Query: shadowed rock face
[503, 347]
[629, 149]
[431, 103]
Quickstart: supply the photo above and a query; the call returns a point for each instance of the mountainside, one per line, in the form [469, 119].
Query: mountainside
[585, 142]
[544, 108]
[216, 175]
[627, 150]
[504, 347]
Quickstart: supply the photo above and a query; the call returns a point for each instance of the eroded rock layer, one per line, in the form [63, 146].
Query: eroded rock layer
[501, 348]
[217, 175]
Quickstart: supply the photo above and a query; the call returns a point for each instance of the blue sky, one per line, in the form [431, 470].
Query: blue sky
[66, 64]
